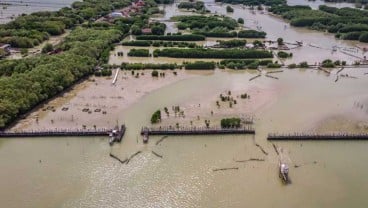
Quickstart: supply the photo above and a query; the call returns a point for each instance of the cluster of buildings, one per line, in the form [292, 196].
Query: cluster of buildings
[134, 8]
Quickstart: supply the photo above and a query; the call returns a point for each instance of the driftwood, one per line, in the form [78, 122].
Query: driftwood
[340, 70]
[324, 70]
[118, 159]
[254, 77]
[131, 157]
[337, 78]
[272, 72]
[221, 169]
[261, 148]
[162, 139]
[153, 152]
[276, 150]
[269, 76]
[251, 159]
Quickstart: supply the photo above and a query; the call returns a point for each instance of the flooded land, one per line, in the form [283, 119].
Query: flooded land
[78, 172]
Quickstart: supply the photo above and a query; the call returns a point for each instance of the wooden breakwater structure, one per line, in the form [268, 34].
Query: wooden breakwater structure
[316, 137]
[196, 130]
[64, 133]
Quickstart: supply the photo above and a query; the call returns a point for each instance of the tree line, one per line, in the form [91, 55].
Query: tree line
[212, 53]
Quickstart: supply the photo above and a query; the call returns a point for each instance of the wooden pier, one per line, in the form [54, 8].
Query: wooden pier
[196, 131]
[63, 133]
[316, 137]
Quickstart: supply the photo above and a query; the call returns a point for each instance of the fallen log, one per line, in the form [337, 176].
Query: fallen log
[153, 152]
[276, 150]
[261, 148]
[340, 70]
[118, 159]
[272, 72]
[269, 76]
[162, 139]
[221, 169]
[251, 159]
[131, 157]
[254, 77]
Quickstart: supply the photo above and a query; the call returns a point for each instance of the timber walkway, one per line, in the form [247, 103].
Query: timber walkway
[316, 137]
[196, 131]
[63, 133]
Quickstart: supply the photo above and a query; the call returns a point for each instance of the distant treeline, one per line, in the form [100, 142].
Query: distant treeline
[347, 23]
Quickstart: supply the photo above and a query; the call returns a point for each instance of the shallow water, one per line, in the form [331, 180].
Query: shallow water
[78, 172]
[7, 13]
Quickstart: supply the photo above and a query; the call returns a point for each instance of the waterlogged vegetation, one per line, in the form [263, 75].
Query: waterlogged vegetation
[253, 2]
[173, 37]
[147, 43]
[156, 116]
[230, 122]
[198, 5]
[212, 53]
[346, 23]
[26, 82]
[139, 52]
[201, 65]
[231, 43]
[140, 66]
[243, 64]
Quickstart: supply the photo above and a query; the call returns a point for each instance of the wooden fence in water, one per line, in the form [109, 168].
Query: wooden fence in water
[311, 136]
[196, 130]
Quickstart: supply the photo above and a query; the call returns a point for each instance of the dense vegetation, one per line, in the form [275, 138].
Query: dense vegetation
[27, 31]
[347, 23]
[243, 64]
[198, 5]
[138, 66]
[205, 22]
[251, 34]
[232, 43]
[156, 117]
[186, 37]
[139, 52]
[212, 53]
[282, 54]
[202, 65]
[147, 43]
[26, 82]
[253, 2]
[230, 123]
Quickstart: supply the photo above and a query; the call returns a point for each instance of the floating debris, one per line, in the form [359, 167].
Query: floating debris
[160, 156]
[222, 169]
